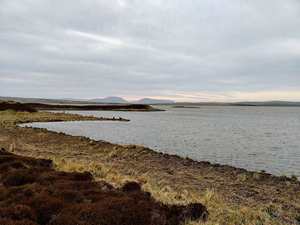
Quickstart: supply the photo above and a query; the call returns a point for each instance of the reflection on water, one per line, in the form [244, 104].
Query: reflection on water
[255, 138]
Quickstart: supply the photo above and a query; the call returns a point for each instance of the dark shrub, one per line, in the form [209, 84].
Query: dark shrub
[86, 176]
[71, 196]
[12, 165]
[46, 207]
[13, 222]
[131, 187]
[17, 212]
[16, 107]
[19, 177]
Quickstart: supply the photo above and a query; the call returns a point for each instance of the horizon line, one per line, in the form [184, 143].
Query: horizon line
[153, 98]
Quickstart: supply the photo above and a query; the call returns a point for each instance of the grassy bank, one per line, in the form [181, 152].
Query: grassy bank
[233, 196]
[10, 118]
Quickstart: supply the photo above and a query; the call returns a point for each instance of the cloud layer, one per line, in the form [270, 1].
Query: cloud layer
[211, 50]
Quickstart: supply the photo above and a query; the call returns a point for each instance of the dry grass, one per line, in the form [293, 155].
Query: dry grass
[10, 118]
[221, 213]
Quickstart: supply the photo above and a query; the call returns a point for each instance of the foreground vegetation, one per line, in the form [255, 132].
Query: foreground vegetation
[33, 193]
[225, 205]
[233, 196]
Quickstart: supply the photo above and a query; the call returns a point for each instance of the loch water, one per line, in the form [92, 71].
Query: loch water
[254, 138]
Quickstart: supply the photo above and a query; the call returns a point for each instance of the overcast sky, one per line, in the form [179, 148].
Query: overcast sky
[191, 50]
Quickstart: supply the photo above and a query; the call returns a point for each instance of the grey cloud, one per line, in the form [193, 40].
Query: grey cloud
[91, 48]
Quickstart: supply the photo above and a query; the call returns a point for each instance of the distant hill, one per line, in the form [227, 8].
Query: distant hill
[151, 101]
[119, 100]
[112, 99]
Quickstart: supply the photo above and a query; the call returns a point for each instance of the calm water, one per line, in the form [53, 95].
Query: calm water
[255, 138]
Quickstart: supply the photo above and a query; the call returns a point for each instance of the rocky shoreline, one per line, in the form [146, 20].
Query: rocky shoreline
[232, 195]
